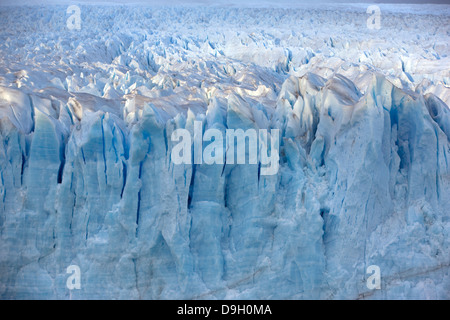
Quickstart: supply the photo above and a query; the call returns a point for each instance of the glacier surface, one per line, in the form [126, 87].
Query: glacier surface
[87, 179]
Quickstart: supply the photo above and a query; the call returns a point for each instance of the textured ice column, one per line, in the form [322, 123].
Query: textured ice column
[297, 256]
[385, 163]
[357, 162]
[17, 234]
[164, 266]
[46, 155]
[12, 162]
[207, 207]
[93, 181]
[37, 219]
[13, 155]
[16, 123]
[250, 199]
[421, 183]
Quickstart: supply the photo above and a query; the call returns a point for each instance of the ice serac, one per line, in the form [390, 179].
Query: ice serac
[88, 179]
[363, 180]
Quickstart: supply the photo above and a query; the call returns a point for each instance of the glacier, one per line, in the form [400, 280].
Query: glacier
[87, 178]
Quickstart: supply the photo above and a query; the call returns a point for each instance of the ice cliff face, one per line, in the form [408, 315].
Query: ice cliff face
[86, 119]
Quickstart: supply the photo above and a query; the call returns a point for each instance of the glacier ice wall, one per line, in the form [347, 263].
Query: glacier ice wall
[87, 179]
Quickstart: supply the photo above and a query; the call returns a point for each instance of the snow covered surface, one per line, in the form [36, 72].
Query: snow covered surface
[86, 176]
